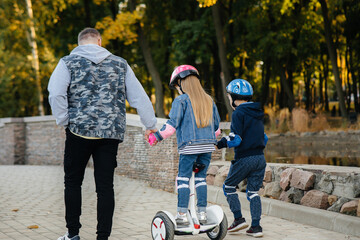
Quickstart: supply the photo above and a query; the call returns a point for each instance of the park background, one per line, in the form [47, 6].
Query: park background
[301, 56]
[296, 53]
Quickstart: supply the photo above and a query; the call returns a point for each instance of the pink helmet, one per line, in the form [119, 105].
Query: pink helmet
[182, 72]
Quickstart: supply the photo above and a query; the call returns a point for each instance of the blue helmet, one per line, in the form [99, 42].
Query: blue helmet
[240, 87]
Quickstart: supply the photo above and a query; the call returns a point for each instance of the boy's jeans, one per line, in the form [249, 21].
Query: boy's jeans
[185, 171]
[251, 168]
[77, 153]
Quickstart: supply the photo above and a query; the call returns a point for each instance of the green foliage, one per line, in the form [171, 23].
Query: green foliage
[192, 40]
[258, 33]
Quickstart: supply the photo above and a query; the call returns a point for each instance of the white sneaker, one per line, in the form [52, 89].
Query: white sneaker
[65, 237]
[202, 217]
[181, 219]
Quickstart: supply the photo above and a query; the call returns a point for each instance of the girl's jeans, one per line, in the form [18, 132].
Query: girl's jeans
[77, 153]
[185, 171]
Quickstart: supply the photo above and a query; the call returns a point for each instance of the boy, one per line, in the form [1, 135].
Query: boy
[248, 138]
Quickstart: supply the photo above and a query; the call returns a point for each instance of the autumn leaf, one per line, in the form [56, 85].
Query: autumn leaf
[206, 3]
[33, 227]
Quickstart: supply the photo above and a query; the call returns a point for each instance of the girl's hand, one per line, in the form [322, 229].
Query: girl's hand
[152, 140]
[148, 132]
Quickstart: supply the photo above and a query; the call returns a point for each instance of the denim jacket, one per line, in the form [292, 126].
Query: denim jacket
[183, 120]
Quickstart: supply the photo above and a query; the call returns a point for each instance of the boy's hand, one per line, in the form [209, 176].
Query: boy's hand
[222, 143]
[233, 140]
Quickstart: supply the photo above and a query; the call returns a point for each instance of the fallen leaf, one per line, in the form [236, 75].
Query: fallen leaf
[33, 227]
[15, 210]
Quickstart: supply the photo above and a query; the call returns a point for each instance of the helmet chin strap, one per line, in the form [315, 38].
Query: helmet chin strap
[233, 104]
[233, 101]
[180, 86]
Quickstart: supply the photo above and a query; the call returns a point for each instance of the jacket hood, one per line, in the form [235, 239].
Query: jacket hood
[252, 108]
[93, 52]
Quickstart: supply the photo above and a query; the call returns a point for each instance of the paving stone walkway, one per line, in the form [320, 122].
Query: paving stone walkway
[33, 195]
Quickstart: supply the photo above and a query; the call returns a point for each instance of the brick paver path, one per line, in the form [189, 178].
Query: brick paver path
[33, 195]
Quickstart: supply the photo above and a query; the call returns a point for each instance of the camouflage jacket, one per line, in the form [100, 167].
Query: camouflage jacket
[96, 96]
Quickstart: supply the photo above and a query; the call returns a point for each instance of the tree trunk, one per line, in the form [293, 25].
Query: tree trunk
[333, 57]
[87, 13]
[287, 88]
[225, 76]
[265, 84]
[347, 70]
[154, 73]
[321, 95]
[35, 56]
[326, 75]
[353, 77]
[307, 88]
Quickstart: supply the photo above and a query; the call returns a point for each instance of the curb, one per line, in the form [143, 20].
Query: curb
[294, 212]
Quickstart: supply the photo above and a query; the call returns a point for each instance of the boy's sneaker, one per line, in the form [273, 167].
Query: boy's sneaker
[255, 231]
[181, 219]
[66, 237]
[237, 225]
[202, 217]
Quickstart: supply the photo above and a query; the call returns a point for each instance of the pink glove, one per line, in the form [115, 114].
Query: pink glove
[152, 139]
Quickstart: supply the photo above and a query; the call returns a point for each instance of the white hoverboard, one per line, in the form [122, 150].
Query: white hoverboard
[163, 226]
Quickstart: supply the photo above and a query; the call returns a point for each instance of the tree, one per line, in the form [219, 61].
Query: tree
[35, 56]
[127, 27]
[333, 57]
[225, 71]
[144, 45]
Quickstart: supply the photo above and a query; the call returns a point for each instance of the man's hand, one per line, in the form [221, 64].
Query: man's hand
[148, 131]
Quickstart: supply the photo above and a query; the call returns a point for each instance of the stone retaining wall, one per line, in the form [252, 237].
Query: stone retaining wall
[38, 140]
[330, 188]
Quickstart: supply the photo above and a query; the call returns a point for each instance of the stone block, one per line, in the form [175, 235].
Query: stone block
[210, 179]
[261, 192]
[332, 199]
[272, 190]
[212, 170]
[285, 178]
[221, 176]
[277, 172]
[242, 185]
[347, 185]
[268, 174]
[303, 180]
[315, 199]
[224, 171]
[295, 195]
[325, 183]
[284, 197]
[350, 208]
[338, 204]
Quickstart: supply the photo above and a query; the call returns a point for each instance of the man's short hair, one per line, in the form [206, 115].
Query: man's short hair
[88, 33]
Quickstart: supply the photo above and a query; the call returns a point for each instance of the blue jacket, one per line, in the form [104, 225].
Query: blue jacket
[183, 120]
[247, 122]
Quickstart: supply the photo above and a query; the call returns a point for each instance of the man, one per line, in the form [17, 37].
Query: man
[88, 90]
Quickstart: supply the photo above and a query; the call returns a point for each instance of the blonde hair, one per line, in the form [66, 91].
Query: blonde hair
[201, 102]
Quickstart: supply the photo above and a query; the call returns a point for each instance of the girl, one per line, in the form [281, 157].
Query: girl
[195, 119]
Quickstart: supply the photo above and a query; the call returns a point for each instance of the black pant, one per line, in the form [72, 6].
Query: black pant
[77, 153]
